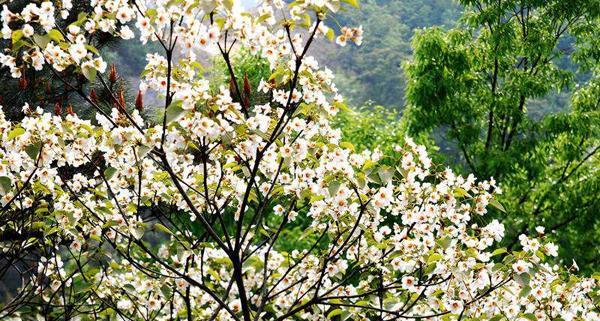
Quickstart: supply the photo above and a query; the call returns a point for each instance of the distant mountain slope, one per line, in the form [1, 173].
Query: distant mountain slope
[372, 71]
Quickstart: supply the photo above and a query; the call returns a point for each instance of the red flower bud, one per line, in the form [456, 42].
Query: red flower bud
[23, 82]
[139, 101]
[57, 109]
[121, 99]
[113, 73]
[231, 86]
[93, 96]
[247, 88]
[246, 102]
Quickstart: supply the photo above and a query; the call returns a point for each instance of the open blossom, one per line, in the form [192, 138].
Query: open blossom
[77, 52]
[350, 34]
[455, 306]
[521, 266]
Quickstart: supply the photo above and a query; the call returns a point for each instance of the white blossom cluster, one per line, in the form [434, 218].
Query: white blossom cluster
[218, 182]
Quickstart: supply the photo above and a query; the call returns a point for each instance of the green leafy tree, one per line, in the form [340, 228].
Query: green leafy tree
[472, 87]
[370, 127]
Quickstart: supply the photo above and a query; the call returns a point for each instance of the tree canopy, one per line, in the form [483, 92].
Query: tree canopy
[473, 85]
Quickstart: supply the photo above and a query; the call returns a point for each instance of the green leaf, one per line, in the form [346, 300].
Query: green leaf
[525, 291]
[17, 35]
[330, 34]
[386, 174]
[162, 228]
[353, 3]
[92, 49]
[174, 111]
[15, 132]
[444, 242]
[33, 150]
[497, 317]
[263, 18]
[499, 251]
[5, 184]
[529, 316]
[109, 172]
[56, 35]
[306, 21]
[429, 268]
[38, 226]
[80, 18]
[523, 279]
[434, 258]
[19, 44]
[497, 205]
[278, 75]
[333, 188]
[368, 164]
[347, 145]
[142, 151]
[461, 192]
[41, 41]
[151, 13]
[89, 73]
[334, 313]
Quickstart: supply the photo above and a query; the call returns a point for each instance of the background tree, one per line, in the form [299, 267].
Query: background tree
[475, 86]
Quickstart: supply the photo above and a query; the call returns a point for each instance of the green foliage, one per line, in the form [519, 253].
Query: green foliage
[473, 87]
[370, 127]
[244, 63]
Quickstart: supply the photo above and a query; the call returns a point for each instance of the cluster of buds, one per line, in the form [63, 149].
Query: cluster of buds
[353, 34]
[245, 94]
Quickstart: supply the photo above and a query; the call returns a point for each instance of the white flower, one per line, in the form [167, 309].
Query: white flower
[521, 266]
[27, 30]
[124, 304]
[126, 33]
[77, 51]
[278, 209]
[551, 249]
[455, 306]
[125, 14]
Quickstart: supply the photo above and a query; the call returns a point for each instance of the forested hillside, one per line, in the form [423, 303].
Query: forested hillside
[372, 71]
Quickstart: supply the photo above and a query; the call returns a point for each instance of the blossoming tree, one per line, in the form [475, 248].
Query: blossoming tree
[125, 217]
